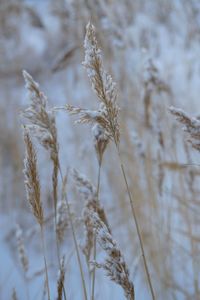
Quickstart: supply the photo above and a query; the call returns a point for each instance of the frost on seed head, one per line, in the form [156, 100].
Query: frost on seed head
[191, 126]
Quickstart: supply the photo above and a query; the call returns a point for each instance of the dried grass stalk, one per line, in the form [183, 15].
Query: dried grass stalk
[107, 115]
[62, 214]
[152, 84]
[102, 82]
[33, 192]
[74, 237]
[64, 58]
[191, 126]
[61, 279]
[32, 181]
[89, 194]
[100, 124]
[114, 264]
[62, 220]
[105, 89]
[43, 125]
[42, 119]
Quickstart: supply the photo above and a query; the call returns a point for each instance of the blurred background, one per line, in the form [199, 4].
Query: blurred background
[151, 48]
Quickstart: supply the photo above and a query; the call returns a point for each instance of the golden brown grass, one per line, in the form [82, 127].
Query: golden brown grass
[42, 125]
[159, 166]
[105, 127]
[106, 117]
[32, 183]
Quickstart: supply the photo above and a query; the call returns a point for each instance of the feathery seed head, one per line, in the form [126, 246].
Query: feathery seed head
[105, 88]
[114, 264]
[62, 220]
[83, 185]
[43, 126]
[42, 121]
[102, 83]
[92, 204]
[32, 182]
[191, 126]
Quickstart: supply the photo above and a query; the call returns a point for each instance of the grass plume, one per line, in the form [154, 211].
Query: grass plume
[114, 264]
[32, 183]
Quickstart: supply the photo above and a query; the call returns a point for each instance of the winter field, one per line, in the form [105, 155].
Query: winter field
[99, 149]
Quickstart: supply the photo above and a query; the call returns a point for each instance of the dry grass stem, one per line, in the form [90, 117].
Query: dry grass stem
[191, 126]
[43, 125]
[114, 264]
[92, 203]
[61, 280]
[42, 120]
[33, 191]
[74, 236]
[122, 80]
[102, 83]
[89, 194]
[45, 262]
[32, 181]
[152, 84]
[105, 89]
[62, 214]
[62, 220]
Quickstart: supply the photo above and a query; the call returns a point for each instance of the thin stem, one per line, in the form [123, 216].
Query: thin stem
[75, 240]
[58, 256]
[95, 244]
[98, 180]
[55, 223]
[136, 223]
[45, 262]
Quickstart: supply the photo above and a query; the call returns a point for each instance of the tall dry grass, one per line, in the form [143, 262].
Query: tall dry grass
[161, 169]
[105, 127]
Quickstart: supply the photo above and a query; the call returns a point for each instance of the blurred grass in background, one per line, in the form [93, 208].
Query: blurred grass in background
[151, 48]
